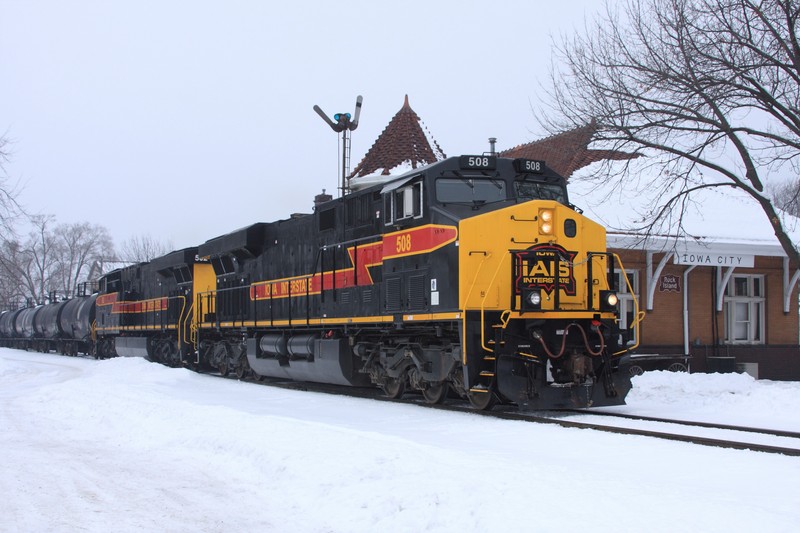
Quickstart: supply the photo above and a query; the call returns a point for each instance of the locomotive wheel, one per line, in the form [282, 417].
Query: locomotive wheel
[394, 388]
[163, 352]
[677, 367]
[223, 369]
[242, 368]
[436, 392]
[636, 370]
[482, 401]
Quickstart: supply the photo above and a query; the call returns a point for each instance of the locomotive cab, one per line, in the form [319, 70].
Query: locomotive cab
[538, 289]
[495, 244]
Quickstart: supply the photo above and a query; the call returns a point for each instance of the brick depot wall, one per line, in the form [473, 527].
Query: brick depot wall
[662, 329]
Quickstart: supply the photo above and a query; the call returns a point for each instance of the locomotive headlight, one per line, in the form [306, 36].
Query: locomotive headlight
[535, 299]
[546, 221]
[608, 301]
[532, 299]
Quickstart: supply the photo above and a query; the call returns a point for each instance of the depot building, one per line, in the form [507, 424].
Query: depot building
[711, 285]
[714, 287]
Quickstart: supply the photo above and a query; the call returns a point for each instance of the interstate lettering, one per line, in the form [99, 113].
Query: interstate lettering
[298, 285]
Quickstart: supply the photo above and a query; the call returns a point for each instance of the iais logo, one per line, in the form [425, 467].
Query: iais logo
[542, 266]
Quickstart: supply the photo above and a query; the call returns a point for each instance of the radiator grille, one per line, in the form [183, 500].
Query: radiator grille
[394, 300]
[416, 292]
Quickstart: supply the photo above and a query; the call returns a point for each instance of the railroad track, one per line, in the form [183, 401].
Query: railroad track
[690, 423]
[562, 418]
[740, 438]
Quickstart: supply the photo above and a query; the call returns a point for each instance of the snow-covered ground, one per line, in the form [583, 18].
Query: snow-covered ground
[125, 445]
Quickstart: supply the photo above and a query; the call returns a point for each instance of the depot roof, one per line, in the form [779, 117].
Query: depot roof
[403, 145]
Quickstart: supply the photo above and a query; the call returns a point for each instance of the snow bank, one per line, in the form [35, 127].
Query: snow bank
[736, 399]
[126, 445]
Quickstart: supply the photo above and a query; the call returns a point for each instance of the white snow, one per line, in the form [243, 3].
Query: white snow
[125, 445]
[720, 216]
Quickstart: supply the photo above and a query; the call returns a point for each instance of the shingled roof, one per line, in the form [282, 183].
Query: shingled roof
[566, 152]
[405, 143]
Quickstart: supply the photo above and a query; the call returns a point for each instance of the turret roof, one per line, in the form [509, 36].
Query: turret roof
[404, 144]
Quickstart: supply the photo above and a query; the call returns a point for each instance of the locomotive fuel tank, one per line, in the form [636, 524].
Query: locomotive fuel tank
[305, 358]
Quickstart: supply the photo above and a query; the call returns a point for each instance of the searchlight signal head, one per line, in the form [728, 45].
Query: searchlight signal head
[342, 121]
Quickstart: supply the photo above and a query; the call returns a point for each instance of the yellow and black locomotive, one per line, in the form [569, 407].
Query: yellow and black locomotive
[473, 275]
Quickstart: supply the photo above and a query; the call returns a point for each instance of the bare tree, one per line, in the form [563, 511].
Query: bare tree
[142, 248]
[12, 294]
[9, 208]
[32, 263]
[51, 260]
[711, 86]
[77, 247]
[786, 196]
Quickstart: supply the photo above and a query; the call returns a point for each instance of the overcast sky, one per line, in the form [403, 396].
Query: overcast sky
[186, 120]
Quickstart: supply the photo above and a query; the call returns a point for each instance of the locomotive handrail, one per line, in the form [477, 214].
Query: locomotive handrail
[377, 237]
[505, 317]
[193, 335]
[183, 308]
[319, 261]
[208, 297]
[486, 256]
[189, 314]
[638, 315]
[483, 303]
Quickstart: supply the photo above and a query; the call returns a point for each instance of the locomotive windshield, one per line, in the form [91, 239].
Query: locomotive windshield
[470, 190]
[536, 190]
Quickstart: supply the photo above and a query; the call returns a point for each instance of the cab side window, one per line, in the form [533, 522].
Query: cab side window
[403, 203]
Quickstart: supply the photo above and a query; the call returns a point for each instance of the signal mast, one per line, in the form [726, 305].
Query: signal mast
[344, 123]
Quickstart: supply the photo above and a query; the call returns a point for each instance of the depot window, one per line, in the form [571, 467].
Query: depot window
[744, 309]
